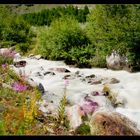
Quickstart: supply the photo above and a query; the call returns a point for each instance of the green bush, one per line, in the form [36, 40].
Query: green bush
[23, 47]
[65, 40]
[13, 29]
[17, 31]
[83, 129]
[7, 44]
[4, 18]
[81, 55]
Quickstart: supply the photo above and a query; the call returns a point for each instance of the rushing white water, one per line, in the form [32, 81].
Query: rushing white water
[128, 88]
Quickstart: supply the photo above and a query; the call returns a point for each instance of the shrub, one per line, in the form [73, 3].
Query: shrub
[4, 18]
[17, 31]
[23, 47]
[80, 55]
[65, 40]
[83, 129]
[7, 44]
[14, 30]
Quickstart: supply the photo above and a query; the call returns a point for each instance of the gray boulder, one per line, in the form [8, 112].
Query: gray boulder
[116, 62]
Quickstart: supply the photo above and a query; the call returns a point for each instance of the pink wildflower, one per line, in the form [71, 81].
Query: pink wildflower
[19, 87]
[66, 82]
[89, 107]
[11, 54]
[4, 66]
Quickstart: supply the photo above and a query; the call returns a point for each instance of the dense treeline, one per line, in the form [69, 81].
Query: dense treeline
[45, 17]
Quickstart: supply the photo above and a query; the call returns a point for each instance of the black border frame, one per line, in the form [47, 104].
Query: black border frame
[69, 1]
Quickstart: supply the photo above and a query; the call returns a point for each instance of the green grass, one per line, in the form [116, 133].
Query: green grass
[26, 120]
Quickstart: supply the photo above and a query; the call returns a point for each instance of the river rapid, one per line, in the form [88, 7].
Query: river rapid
[77, 85]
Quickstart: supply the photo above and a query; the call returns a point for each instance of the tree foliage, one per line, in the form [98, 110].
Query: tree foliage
[65, 40]
[14, 30]
[115, 27]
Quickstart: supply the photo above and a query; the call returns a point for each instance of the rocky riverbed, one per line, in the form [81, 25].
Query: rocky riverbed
[83, 87]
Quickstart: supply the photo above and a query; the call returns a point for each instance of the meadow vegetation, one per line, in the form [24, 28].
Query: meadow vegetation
[19, 109]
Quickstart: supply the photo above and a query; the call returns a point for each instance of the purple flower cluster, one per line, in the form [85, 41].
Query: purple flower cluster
[10, 54]
[89, 107]
[6, 52]
[4, 66]
[66, 82]
[19, 87]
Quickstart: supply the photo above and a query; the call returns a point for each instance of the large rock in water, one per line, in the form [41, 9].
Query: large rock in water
[112, 123]
[21, 63]
[116, 62]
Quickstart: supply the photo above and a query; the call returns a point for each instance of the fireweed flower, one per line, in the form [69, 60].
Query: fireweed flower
[66, 82]
[89, 107]
[4, 66]
[11, 54]
[19, 87]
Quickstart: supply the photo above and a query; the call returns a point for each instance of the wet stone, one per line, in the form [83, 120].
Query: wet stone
[66, 76]
[77, 72]
[96, 82]
[114, 81]
[48, 72]
[20, 64]
[41, 89]
[90, 76]
[95, 93]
